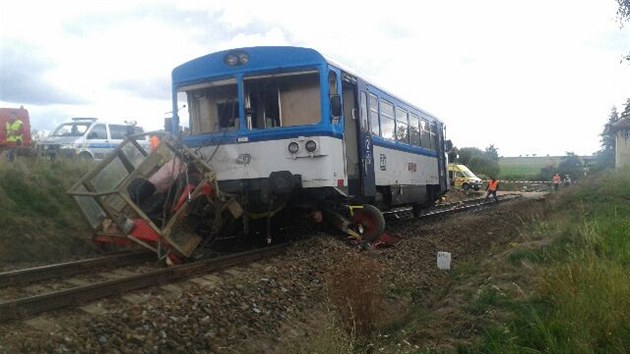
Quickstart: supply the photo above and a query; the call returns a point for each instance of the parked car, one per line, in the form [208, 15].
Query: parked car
[89, 138]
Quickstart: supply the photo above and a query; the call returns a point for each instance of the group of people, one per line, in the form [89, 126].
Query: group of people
[557, 180]
[14, 135]
[493, 185]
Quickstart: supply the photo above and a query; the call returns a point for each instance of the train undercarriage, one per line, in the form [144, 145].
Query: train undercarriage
[168, 200]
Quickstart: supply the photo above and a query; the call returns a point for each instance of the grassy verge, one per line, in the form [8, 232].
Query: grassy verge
[563, 286]
[39, 222]
[580, 301]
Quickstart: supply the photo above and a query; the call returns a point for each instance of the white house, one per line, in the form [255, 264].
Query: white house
[621, 130]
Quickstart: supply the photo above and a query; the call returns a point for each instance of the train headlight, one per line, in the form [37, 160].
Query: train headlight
[294, 147]
[236, 58]
[243, 58]
[311, 146]
[231, 59]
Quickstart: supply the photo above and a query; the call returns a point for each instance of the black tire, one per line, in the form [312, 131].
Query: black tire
[476, 188]
[466, 187]
[85, 156]
[370, 220]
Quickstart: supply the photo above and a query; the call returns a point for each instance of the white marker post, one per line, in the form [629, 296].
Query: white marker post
[444, 260]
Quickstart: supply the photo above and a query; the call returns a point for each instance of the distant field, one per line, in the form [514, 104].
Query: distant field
[525, 167]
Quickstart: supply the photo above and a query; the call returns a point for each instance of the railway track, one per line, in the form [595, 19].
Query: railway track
[31, 305]
[61, 270]
[28, 305]
[469, 205]
[473, 204]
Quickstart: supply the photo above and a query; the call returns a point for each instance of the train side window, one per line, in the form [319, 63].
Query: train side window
[332, 83]
[425, 135]
[387, 120]
[434, 136]
[374, 124]
[414, 131]
[402, 126]
[364, 112]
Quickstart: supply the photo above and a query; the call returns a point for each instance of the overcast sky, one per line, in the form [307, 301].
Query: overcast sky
[529, 77]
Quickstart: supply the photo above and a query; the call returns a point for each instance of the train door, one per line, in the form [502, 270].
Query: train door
[441, 154]
[350, 129]
[360, 161]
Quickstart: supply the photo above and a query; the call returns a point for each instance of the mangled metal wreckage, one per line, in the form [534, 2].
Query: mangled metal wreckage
[166, 200]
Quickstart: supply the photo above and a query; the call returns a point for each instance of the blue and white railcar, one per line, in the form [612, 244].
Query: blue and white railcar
[284, 125]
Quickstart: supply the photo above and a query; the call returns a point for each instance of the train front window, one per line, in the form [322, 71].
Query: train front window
[213, 107]
[282, 100]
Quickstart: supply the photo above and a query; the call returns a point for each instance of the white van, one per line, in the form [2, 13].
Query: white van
[88, 138]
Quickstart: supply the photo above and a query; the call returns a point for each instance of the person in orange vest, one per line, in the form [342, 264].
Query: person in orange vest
[492, 188]
[155, 141]
[556, 181]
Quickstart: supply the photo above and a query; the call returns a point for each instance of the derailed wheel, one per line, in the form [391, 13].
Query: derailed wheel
[369, 222]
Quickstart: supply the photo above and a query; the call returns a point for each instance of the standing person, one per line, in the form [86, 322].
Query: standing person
[556, 181]
[492, 188]
[154, 142]
[567, 180]
[14, 129]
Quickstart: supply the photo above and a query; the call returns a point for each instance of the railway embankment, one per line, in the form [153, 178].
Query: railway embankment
[532, 274]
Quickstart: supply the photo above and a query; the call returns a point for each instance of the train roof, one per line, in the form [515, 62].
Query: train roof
[264, 59]
[267, 58]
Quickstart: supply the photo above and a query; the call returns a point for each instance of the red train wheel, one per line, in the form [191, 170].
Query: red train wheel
[369, 222]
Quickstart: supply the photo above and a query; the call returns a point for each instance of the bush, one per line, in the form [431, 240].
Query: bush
[354, 288]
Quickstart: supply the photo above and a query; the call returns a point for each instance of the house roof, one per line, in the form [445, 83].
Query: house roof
[623, 123]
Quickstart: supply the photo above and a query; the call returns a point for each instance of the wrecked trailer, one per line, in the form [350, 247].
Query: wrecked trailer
[166, 200]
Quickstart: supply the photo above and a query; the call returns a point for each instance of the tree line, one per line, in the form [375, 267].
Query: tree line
[486, 162]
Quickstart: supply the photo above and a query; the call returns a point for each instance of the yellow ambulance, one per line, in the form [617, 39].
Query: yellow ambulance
[463, 178]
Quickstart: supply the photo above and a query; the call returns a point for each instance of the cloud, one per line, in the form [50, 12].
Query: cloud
[529, 78]
[23, 77]
[149, 88]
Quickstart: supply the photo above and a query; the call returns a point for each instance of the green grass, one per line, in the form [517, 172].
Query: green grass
[525, 168]
[582, 299]
[527, 173]
[39, 222]
[487, 298]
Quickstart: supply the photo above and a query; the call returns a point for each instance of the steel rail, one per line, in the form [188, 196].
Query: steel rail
[452, 207]
[468, 204]
[29, 306]
[30, 275]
